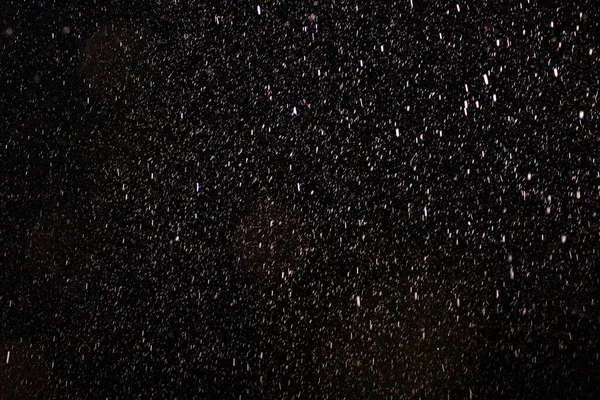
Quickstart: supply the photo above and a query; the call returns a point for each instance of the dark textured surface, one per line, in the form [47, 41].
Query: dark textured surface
[201, 201]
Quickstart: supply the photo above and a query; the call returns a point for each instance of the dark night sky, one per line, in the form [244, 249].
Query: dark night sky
[299, 199]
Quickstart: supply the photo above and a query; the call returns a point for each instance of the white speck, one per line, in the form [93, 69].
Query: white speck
[512, 273]
[466, 88]
[298, 186]
[529, 176]
[177, 239]
[382, 48]
[458, 7]
[563, 238]
[358, 301]
[7, 357]
[497, 293]
[498, 42]
[494, 98]
[425, 211]
[548, 210]
[441, 37]
[555, 72]
[181, 115]
[397, 132]
[578, 195]
[411, 4]
[457, 302]
[294, 112]
[258, 9]
[581, 114]
[485, 79]
[197, 187]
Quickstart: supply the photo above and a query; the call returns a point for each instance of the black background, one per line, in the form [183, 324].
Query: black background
[145, 254]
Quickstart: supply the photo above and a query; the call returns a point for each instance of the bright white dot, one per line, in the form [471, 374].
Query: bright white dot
[397, 132]
[529, 177]
[298, 186]
[358, 301]
[458, 7]
[555, 72]
[495, 98]
[581, 114]
[563, 238]
[578, 194]
[512, 273]
[485, 79]
[294, 112]
[548, 210]
[382, 48]
[8, 357]
[258, 9]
